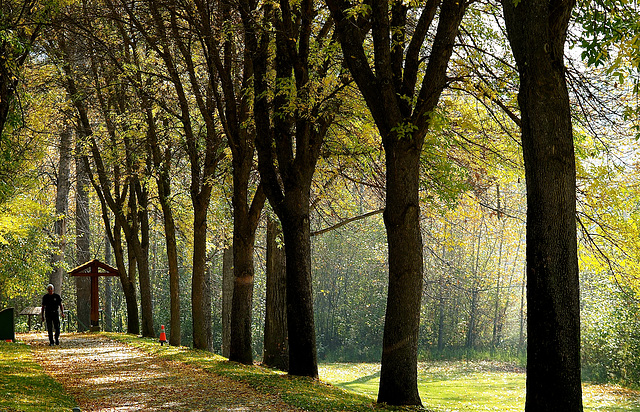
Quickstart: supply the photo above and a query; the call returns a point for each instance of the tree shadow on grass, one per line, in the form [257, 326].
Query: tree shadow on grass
[356, 384]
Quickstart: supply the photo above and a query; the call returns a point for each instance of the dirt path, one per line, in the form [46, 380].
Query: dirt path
[103, 375]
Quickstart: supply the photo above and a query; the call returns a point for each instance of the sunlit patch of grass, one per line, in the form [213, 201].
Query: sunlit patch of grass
[610, 398]
[358, 377]
[447, 386]
[475, 392]
[472, 386]
[24, 386]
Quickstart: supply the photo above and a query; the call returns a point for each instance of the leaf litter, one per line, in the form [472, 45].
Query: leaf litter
[104, 375]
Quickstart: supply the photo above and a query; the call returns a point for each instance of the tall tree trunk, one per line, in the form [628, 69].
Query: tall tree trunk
[162, 161]
[83, 129]
[132, 270]
[108, 292]
[276, 346]
[246, 212]
[241, 349]
[175, 331]
[299, 295]
[198, 277]
[401, 110]
[127, 278]
[537, 31]
[62, 210]
[127, 275]
[245, 223]
[497, 319]
[473, 314]
[440, 317]
[83, 244]
[399, 372]
[138, 200]
[523, 292]
[288, 149]
[164, 191]
[227, 298]
[208, 305]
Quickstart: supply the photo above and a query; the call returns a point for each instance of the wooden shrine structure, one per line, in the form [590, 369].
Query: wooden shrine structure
[94, 269]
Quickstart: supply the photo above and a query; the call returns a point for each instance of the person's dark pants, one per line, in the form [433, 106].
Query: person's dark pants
[53, 321]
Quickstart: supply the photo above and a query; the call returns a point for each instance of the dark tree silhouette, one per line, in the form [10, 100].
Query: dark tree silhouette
[537, 31]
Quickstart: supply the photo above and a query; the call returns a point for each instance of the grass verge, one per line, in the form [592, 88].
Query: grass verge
[305, 393]
[445, 385]
[475, 386]
[24, 386]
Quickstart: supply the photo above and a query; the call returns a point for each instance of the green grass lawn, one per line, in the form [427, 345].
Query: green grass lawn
[473, 386]
[24, 386]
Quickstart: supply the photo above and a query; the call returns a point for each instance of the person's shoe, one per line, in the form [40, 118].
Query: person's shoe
[50, 343]
[57, 342]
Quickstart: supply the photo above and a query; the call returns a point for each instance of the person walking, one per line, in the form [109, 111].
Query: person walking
[50, 303]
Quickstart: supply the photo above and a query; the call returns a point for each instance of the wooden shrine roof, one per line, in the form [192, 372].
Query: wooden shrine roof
[96, 267]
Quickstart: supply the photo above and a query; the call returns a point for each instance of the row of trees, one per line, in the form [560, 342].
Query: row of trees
[170, 103]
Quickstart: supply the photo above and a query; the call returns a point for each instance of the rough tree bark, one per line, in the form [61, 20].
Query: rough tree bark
[201, 338]
[139, 201]
[108, 297]
[537, 31]
[227, 298]
[401, 110]
[288, 144]
[234, 108]
[276, 347]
